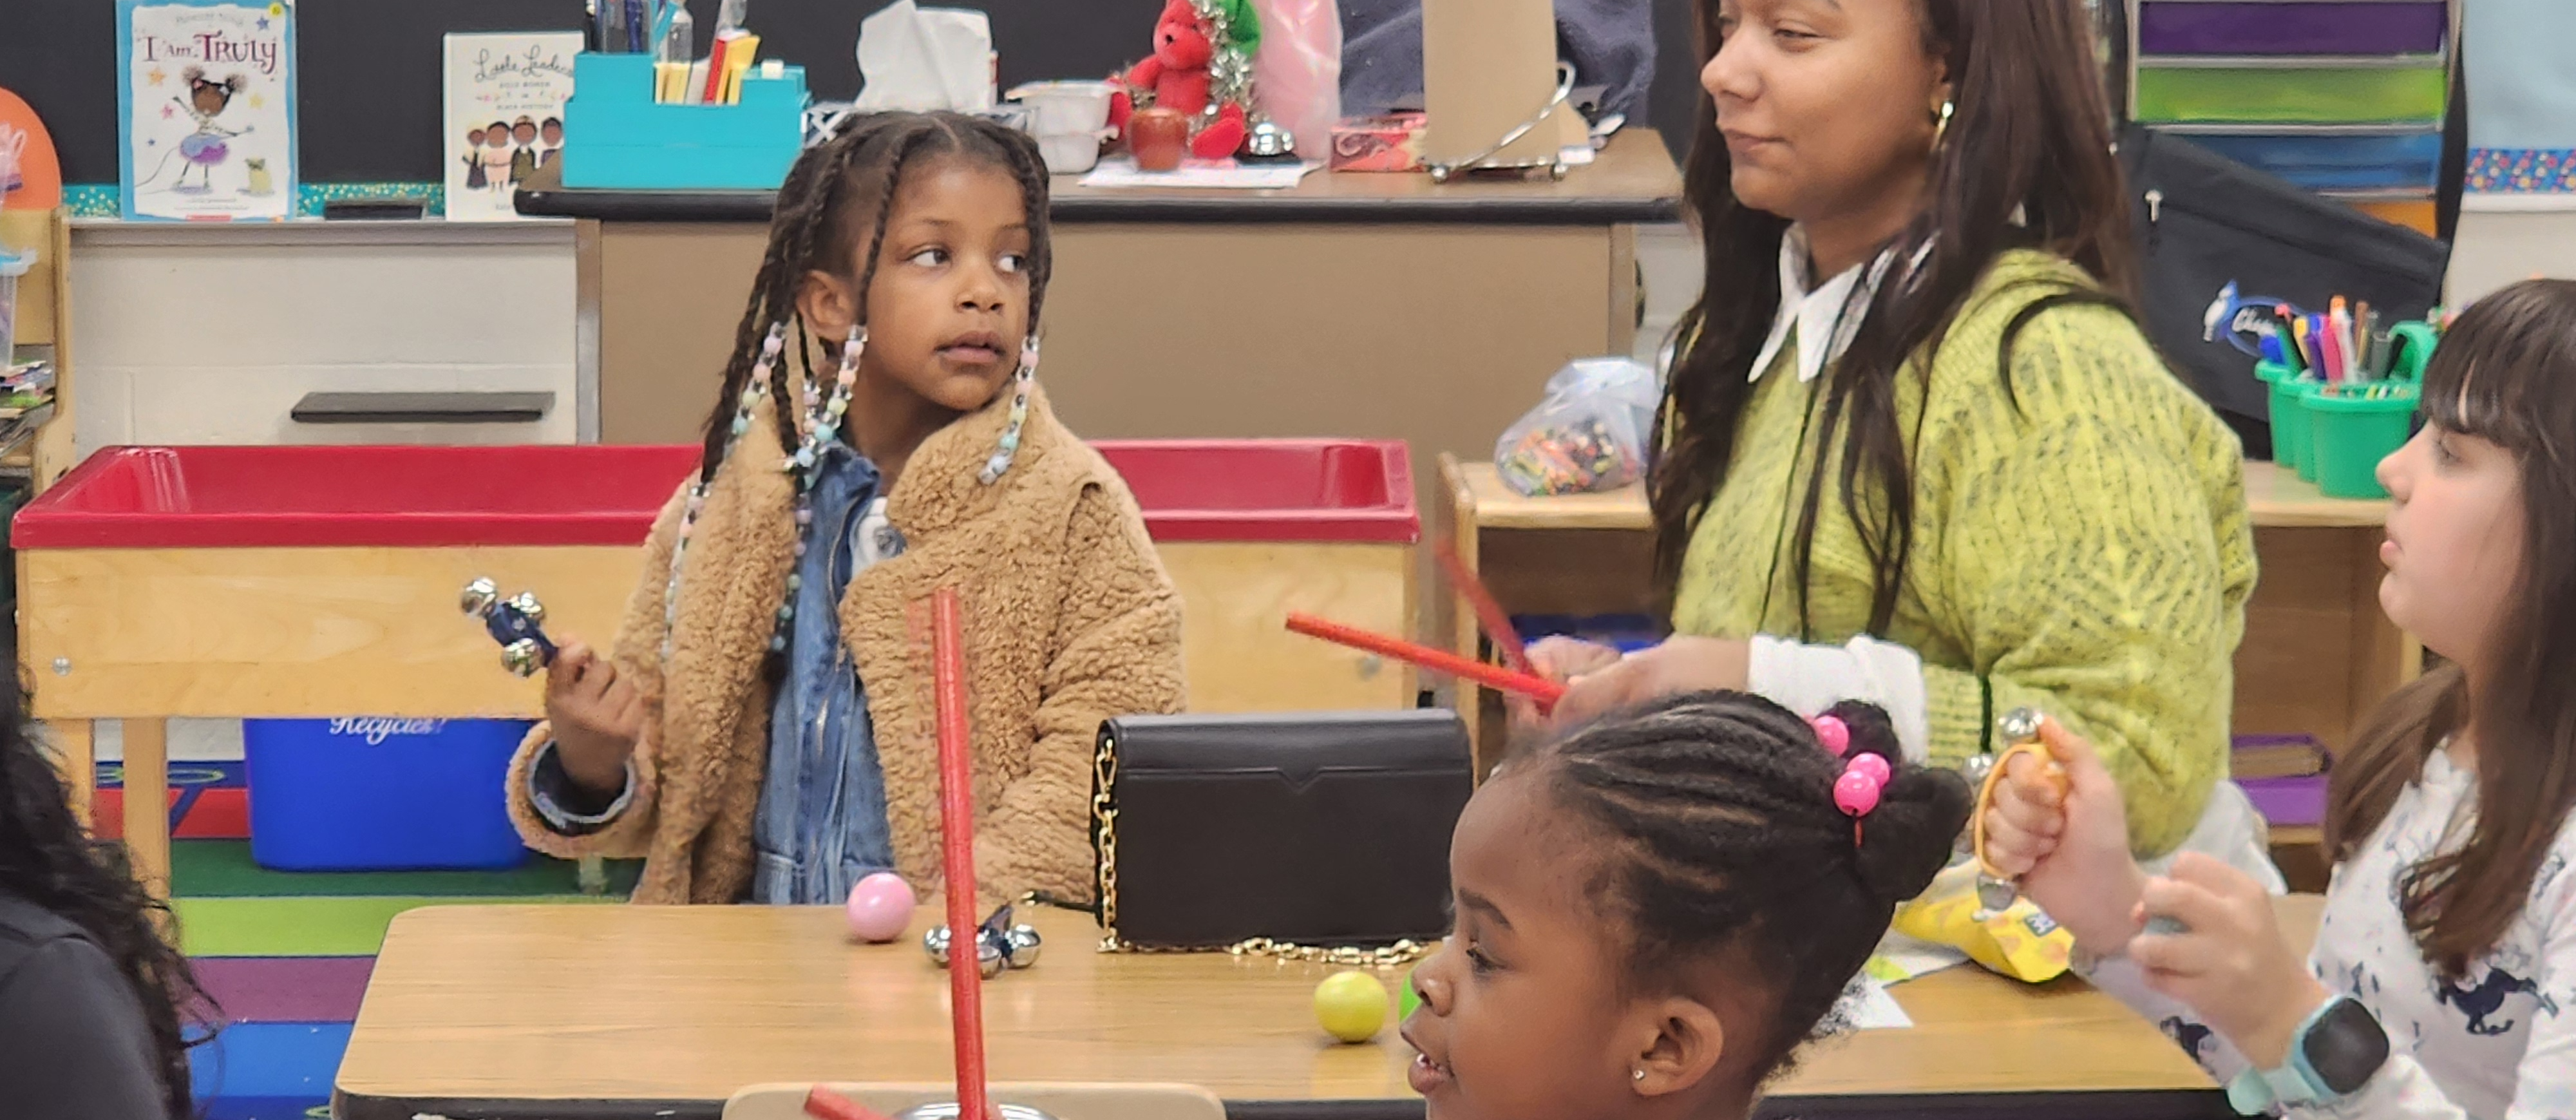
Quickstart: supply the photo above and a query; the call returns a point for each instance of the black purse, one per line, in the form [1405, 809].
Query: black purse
[1278, 833]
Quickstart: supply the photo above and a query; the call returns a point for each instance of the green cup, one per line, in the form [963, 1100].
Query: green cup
[2289, 415]
[2353, 427]
[2412, 343]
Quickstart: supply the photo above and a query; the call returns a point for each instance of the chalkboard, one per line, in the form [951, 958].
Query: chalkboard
[370, 69]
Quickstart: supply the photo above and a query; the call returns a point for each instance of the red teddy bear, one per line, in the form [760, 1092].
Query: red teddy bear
[1176, 78]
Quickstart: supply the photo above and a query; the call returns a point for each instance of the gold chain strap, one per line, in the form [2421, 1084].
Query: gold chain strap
[1104, 814]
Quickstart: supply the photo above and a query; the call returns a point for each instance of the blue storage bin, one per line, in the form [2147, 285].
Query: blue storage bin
[381, 794]
[618, 138]
[2336, 161]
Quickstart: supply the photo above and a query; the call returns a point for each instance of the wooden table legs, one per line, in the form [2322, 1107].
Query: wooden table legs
[147, 802]
[76, 755]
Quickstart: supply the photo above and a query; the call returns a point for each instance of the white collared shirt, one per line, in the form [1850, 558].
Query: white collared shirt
[1831, 311]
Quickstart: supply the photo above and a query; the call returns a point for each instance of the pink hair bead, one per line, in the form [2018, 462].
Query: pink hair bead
[1873, 765]
[1855, 793]
[1833, 734]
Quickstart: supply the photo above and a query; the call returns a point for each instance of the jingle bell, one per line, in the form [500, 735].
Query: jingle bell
[1976, 768]
[2020, 725]
[478, 597]
[1021, 946]
[526, 603]
[1994, 896]
[523, 658]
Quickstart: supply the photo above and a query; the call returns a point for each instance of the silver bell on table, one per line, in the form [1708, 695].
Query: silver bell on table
[1021, 946]
[989, 957]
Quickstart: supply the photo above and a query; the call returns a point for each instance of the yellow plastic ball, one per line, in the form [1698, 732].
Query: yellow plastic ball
[1351, 1006]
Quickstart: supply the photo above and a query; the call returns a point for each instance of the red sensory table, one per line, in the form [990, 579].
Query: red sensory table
[316, 582]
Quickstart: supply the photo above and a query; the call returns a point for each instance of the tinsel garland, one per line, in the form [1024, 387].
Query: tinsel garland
[1230, 71]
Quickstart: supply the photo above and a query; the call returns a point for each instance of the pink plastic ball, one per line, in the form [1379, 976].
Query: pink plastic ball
[1855, 794]
[1833, 735]
[1874, 765]
[881, 907]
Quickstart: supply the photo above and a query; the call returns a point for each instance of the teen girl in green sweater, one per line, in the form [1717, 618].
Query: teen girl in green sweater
[1916, 449]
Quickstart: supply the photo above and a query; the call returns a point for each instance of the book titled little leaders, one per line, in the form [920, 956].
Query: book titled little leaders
[505, 103]
[206, 93]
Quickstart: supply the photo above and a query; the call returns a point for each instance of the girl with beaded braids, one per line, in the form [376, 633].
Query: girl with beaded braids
[762, 727]
[1657, 908]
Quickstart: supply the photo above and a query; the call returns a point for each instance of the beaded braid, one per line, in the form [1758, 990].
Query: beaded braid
[1719, 812]
[805, 228]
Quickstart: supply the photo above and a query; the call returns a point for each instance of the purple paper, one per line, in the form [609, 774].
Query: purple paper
[286, 989]
[2175, 28]
[2288, 801]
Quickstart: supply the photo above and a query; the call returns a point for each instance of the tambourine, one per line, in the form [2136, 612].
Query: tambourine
[518, 623]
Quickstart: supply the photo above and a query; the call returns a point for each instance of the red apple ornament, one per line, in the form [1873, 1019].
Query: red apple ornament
[1159, 137]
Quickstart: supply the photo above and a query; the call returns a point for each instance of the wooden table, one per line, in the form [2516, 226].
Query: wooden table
[2317, 655]
[1351, 306]
[596, 1012]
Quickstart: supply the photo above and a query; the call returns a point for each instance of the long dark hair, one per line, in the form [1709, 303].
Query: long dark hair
[1724, 836]
[833, 189]
[2506, 372]
[2031, 134]
[46, 859]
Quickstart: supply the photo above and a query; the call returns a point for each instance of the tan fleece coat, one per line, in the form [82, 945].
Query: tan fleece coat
[1070, 620]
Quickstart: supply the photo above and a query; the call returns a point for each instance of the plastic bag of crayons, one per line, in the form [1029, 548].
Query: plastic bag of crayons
[2018, 941]
[1587, 435]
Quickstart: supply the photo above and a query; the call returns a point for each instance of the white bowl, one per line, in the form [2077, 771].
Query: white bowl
[1065, 107]
[1071, 153]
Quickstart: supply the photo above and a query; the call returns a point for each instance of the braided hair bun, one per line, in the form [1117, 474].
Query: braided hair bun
[1726, 842]
[1894, 861]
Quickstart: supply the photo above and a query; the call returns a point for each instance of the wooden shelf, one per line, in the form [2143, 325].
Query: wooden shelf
[2317, 656]
[2277, 498]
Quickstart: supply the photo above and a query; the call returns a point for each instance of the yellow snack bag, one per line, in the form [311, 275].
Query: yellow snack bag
[2019, 942]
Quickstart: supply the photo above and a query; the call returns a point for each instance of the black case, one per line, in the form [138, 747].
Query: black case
[1317, 829]
[2204, 221]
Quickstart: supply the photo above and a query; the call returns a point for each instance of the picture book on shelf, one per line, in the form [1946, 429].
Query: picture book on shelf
[206, 92]
[505, 106]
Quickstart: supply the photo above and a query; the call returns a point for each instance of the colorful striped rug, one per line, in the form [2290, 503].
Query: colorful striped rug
[286, 956]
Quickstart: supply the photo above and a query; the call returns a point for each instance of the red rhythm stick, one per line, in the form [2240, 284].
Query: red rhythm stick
[957, 830]
[1439, 661]
[824, 1104]
[1498, 626]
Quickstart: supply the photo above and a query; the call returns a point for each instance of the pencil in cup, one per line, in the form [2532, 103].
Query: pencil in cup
[1546, 692]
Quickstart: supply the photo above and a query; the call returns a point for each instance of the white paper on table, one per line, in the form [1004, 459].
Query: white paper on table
[1901, 958]
[925, 59]
[1868, 1007]
[1122, 172]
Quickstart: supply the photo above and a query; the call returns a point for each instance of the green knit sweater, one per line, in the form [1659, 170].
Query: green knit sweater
[2081, 545]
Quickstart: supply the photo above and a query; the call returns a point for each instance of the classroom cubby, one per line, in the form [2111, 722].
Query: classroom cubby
[2347, 98]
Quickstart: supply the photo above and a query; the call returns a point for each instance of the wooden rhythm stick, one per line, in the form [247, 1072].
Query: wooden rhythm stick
[1439, 661]
[1498, 625]
[957, 832]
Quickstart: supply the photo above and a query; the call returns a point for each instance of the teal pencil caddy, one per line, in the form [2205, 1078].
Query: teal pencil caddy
[2352, 428]
[619, 138]
[2289, 417]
